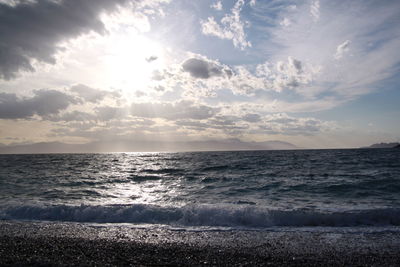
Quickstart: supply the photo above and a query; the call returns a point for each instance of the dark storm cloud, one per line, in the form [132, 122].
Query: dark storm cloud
[33, 29]
[199, 68]
[43, 103]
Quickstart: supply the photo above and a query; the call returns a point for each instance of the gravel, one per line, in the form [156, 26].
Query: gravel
[60, 244]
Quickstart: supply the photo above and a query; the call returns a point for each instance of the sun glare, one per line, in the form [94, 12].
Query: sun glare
[131, 60]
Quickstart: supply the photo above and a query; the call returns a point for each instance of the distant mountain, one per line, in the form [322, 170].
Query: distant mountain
[43, 147]
[141, 146]
[384, 145]
[277, 145]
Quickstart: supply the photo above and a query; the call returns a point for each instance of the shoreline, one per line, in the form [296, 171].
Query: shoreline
[60, 243]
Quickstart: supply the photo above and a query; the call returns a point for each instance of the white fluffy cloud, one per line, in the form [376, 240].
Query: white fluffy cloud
[290, 74]
[231, 27]
[201, 77]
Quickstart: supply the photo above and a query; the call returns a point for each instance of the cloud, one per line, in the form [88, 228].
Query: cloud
[281, 123]
[252, 117]
[106, 113]
[253, 123]
[285, 22]
[172, 111]
[140, 93]
[211, 27]
[178, 126]
[92, 95]
[314, 10]
[341, 49]
[182, 118]
[280, 76]
[319, 45]
[290, 74]
[32, 30]
[151, 58]
[72, 116]
[217, 5]
[218, 126]
[206, 77]
[244, 82]
[43, 103]
[202, 68]
[231, 27]
[238, 79]
[99, 115]
[48, 104]
[197, 76]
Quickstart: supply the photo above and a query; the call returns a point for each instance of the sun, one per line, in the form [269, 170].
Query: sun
[131, 60]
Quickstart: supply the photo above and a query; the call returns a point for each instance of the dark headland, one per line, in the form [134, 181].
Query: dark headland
[55, 244]
[384, 145]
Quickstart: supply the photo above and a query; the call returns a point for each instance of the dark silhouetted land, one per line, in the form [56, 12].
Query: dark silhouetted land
[384, 145]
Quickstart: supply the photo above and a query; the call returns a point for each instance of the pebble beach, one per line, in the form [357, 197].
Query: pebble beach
[60, 244]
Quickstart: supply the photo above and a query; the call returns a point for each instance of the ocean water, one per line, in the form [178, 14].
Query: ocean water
[246, 189]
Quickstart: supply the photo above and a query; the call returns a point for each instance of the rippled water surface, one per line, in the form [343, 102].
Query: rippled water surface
[180, 186]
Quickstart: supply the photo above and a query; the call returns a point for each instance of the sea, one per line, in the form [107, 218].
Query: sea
[206, 190]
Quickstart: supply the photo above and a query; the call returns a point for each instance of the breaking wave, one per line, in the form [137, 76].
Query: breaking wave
[200, 215]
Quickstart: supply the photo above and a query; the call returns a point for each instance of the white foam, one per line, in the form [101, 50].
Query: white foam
[200, 215]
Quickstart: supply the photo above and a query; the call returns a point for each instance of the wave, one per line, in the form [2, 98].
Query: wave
[200, 215]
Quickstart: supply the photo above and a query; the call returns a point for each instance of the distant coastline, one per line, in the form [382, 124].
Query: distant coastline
[159, 146]
[145, 146]
[384, 145]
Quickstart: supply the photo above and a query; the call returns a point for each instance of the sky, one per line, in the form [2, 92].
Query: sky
[313, 73]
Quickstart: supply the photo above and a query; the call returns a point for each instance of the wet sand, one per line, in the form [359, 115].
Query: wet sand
[57, 244]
